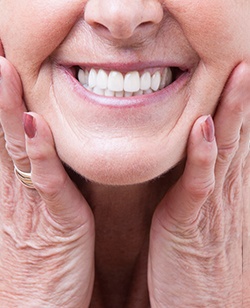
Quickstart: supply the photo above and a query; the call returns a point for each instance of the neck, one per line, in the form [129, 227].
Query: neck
[123, 217]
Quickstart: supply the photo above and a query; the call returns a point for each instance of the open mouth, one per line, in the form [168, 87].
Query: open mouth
[133, 83]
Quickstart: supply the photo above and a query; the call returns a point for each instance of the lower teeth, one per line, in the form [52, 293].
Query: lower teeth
[109, 93]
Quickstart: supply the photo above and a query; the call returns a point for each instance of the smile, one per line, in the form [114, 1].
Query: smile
[133, 83]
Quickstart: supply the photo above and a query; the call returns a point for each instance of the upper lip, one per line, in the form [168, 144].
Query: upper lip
[132, 62]
[127, 67]
[177, 69]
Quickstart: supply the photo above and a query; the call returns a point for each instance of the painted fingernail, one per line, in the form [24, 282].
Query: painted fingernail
[208, 129]
[29, 125]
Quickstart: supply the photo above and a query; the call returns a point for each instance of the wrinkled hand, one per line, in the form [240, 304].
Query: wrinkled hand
[46, 233]
[199, 244]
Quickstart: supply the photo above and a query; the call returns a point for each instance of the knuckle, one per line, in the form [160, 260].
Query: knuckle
[228, 150]
[199, 188]
[236, 107]
[233, 187]
[203, 157]
[40, 152]
[16, 150]
[50, 188]
[37, 156]
[206, 159]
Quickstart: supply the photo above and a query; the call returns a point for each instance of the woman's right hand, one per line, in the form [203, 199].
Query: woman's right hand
[46, 233]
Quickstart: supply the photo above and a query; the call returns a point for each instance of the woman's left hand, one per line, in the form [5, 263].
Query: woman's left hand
[199, 244]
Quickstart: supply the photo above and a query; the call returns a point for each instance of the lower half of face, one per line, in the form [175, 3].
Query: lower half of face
[122, 140]
[130, 121]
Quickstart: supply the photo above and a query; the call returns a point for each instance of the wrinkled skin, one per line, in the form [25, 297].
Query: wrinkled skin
[198, 239]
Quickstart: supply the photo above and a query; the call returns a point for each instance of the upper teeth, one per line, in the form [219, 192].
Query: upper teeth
[114, 83]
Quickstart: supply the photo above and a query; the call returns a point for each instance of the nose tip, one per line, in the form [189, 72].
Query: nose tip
[122, 18]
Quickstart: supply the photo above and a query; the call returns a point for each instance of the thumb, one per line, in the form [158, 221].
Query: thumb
[63, 200]
[184, 201]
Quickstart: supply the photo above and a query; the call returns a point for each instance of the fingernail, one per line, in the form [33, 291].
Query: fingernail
[29, 125]
[208, 129]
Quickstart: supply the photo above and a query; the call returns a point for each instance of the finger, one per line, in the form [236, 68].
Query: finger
[244, 146]
[229, 118]
[64, 202]
[2, 141]
[245, 129]
[11, 114]
[185, 199]
[246, 230]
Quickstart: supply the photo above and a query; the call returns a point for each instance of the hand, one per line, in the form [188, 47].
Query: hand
[199, 244]
[47, 233]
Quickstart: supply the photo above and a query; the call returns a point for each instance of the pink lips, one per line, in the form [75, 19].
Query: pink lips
[180, 80]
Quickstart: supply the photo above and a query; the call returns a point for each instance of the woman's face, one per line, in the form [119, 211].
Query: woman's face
[122, 133]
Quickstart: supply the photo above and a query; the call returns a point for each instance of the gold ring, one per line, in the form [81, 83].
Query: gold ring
[24, 177]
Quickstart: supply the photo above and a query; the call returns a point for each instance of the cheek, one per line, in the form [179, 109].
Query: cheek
[217, 29]
[31, 30]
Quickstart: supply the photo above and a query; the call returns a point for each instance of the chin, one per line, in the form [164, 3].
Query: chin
[120, 176]
[124, 170]
[117, 173]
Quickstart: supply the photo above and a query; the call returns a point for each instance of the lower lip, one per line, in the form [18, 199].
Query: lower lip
[123, 102]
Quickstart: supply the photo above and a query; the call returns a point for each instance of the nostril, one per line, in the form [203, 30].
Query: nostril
[99, 26]
[145, 24]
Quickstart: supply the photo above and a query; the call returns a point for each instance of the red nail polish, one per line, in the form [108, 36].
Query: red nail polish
[29, 125]
[208, 129]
